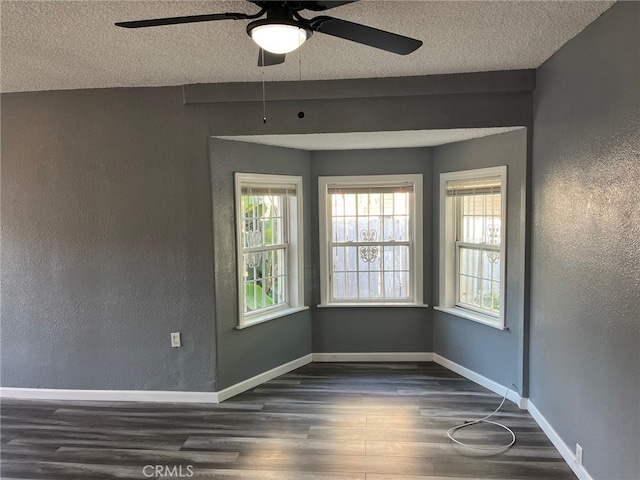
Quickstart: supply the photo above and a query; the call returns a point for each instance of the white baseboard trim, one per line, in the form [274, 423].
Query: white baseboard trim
[152, 395]
[220, 396]
[481, 380]
[562, 447]
[374, 357]
[259, 379]
[109, 395]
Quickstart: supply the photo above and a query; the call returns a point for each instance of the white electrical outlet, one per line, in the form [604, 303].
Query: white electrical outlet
[578, 454]
[175, 340]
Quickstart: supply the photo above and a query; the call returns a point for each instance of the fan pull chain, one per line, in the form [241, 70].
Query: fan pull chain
[300, 113]
[264, 102]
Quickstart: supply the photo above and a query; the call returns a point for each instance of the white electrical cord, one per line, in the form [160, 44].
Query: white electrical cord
[451, 431]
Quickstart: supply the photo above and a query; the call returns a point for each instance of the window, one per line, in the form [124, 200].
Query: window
[472, 241]
[269, 246]
[371, 240]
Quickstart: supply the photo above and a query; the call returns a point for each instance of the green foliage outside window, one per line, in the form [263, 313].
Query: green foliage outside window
[259, 215]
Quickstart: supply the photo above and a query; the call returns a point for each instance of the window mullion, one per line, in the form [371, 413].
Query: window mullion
[357, 213]
[485, 246]
[411, 201]
[262, 248]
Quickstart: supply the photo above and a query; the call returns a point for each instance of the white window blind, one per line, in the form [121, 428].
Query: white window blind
[484, 186]
[271, 190]
[345, 190]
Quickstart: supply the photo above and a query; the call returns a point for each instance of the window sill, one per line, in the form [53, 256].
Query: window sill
[270, 316]
[476, 317]
[360, 305]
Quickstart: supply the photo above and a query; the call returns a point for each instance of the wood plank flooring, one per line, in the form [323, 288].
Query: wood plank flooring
[325, 421]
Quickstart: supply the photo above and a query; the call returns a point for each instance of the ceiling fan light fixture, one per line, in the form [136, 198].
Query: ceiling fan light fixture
[278, 37]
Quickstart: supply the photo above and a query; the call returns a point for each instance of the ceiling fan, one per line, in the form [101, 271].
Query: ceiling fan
[284, 29]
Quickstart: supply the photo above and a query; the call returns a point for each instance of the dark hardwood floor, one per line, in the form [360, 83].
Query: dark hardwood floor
[323, 421]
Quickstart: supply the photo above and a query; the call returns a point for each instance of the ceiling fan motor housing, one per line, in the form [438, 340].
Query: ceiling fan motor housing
[279, 16]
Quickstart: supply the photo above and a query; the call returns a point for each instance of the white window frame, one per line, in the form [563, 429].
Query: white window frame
[448, 269]
[294, 247]
[416, 242]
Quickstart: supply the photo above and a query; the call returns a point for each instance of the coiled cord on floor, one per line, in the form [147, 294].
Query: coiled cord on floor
[451, 431]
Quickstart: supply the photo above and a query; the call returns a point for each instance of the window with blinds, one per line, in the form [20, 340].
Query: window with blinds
[267, 243]
[472, 241]
[370, 239]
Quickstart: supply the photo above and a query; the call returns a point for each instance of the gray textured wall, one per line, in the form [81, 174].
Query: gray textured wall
[496, 354]
[106, 242]
[585, 312]
[372, 329]
[245, 353]
[107, 222]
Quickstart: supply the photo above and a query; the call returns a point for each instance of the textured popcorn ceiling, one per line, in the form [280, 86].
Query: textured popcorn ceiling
[49, 45]
[371, 140]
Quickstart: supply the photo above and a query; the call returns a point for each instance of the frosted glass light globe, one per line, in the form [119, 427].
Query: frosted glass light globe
[278, 38]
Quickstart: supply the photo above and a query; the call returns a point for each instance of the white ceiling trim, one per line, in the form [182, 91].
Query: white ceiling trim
[371, 140]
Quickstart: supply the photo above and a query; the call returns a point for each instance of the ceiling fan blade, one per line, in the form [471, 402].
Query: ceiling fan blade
[156, 22]
[373, 37]
[319, 6]
[266, 59]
